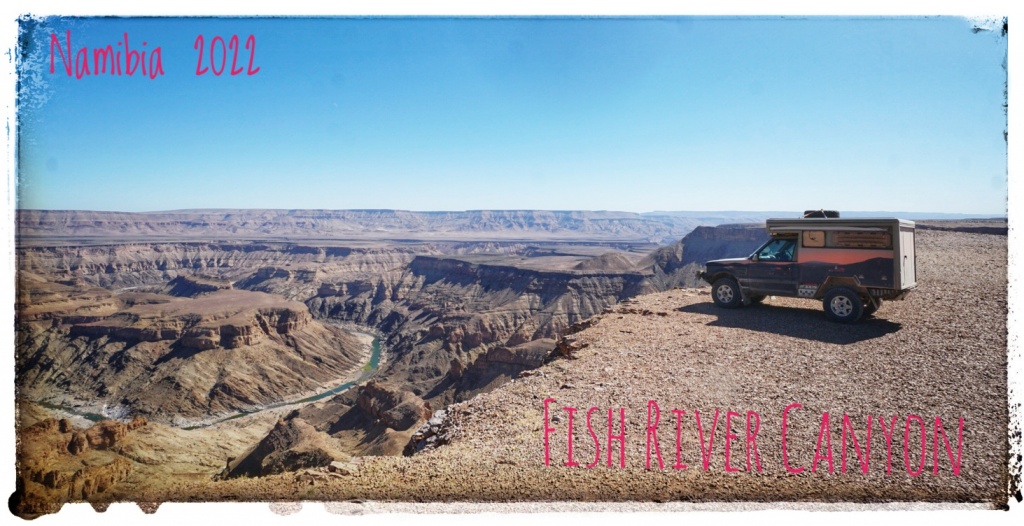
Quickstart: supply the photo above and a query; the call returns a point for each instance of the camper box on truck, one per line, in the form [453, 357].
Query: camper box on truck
[852, 265]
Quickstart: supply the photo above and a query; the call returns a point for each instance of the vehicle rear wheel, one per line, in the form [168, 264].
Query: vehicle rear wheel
[843, 305]
[726, 293]
[872, 307]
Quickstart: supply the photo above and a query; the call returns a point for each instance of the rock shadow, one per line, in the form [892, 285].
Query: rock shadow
[807, 324]
[177, 351]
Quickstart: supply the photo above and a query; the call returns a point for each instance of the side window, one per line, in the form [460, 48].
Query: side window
[778, 250]
[859, 239]
[814, 238]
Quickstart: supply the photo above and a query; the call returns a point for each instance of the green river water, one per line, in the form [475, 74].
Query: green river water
[368, 370]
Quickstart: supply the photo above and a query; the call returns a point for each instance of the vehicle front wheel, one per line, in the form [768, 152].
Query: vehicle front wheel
[843, 305]
[726, 293]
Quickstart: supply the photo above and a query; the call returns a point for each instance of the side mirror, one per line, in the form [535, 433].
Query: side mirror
[753, 257]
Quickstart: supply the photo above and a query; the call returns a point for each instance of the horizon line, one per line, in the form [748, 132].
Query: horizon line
[993, 215]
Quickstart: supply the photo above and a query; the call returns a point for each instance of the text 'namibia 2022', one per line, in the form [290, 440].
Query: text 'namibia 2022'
[912, 441]
[221, 57]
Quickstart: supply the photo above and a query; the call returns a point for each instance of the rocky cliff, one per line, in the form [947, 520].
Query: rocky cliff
[439, 309]
[677, 349]
[290, 445]
[174, 359]
[60, 463]
[196, 329]
[288, 269]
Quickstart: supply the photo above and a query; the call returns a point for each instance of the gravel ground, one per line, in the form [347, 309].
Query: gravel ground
[941, 353]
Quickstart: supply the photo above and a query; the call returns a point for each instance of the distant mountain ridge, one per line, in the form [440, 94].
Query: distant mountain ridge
[653, 227]
[352, 224]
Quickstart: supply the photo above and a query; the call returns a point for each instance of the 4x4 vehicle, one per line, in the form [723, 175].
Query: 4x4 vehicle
[852, 265]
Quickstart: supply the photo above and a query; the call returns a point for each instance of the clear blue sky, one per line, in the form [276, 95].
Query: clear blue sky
[636, 114]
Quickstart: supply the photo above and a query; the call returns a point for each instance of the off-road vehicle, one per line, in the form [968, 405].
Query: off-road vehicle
[852, 265]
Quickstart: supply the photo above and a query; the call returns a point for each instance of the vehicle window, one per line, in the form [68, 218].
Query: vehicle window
[858, 239]
[814, 238]
[778, 250]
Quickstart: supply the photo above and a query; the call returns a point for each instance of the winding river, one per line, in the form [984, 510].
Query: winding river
[368, 370]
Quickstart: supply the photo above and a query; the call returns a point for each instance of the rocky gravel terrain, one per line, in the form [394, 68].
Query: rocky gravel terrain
[937, 357]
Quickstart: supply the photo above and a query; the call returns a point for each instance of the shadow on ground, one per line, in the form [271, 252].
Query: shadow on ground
[806, 324]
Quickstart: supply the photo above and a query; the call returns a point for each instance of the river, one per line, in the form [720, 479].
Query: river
[368, 369]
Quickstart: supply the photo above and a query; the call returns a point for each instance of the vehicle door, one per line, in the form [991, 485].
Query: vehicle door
[773, 271]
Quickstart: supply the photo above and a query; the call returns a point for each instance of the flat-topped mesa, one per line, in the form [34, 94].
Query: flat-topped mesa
[185, 360]
[276, 267]
[465, 268]
[43, 303]
[307, 275]
[227, 318]
[194, 285]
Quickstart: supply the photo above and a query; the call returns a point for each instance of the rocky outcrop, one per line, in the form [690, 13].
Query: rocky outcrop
[496, 366]
[291, 445]
[109, 433]
[436, 432]
[59, 463]
[106, 434]
[377, 419]
[193, 285]
[392, 406]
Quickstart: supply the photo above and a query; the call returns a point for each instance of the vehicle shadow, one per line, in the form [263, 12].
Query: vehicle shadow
[807, 324]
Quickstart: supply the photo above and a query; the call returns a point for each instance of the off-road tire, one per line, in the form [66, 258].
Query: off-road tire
[870, 308]
[843, 305]
[726, 293]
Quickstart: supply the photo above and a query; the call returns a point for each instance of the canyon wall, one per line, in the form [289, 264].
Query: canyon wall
[184, 331]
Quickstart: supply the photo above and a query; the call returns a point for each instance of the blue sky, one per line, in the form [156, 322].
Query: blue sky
[635, 114]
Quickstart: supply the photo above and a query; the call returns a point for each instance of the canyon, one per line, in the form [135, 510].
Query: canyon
[214, 326]
[179, 331]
